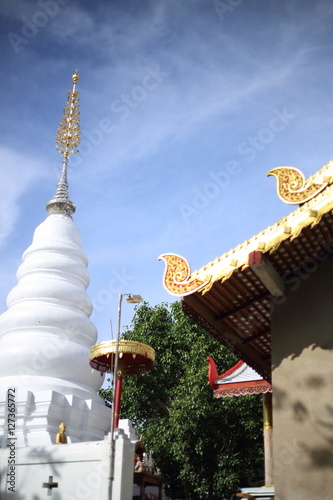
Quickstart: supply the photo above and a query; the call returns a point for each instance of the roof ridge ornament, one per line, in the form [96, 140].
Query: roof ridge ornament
[67, 141]
[178, 279]
[294, 189]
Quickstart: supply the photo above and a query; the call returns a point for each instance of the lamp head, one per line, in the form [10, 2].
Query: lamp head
[134, 299]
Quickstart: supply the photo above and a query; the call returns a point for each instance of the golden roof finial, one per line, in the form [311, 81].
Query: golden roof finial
[68, 136]
[293, 188]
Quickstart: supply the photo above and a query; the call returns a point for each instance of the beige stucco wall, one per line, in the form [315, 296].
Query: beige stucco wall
[302, 358]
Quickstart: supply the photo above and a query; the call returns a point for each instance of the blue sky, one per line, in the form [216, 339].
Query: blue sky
[185, 106]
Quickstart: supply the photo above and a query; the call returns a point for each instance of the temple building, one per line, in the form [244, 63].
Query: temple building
[54, 427]
[269, 301]
[242, 380]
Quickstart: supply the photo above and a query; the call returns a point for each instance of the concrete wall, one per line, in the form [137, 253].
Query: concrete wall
[81, 471]
[302, 371]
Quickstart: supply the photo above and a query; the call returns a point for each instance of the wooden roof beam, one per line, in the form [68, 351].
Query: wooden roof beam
[242, 306]
[258, 335]
[266, 273]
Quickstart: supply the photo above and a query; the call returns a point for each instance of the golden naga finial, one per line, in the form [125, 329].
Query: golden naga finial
[68, 136]
[293, 188]
[177, 277]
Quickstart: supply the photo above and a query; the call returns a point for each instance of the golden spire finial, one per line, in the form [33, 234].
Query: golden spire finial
[68, 139]
[68, 136]
[75, 77]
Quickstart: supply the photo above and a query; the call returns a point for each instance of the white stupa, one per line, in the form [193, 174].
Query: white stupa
[46, 333]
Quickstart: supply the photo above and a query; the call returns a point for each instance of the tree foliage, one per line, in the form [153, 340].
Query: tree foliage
[204, 447]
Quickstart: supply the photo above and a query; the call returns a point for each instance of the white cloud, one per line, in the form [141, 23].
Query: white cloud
[18, 173]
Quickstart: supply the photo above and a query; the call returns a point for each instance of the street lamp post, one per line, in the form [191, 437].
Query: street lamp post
[117, 381]
[116, 384]
[120, 357]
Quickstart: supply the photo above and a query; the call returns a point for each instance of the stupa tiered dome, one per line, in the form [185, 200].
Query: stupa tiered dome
[46, 333]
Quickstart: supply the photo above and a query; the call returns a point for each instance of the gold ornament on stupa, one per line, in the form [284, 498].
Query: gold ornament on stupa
[68, 136]
[67, 141]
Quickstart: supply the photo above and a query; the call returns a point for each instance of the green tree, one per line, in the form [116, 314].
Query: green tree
[204, 447]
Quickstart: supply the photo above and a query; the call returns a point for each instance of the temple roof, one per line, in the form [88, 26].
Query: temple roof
[231, 296]
[240, 373]
[239, 380]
